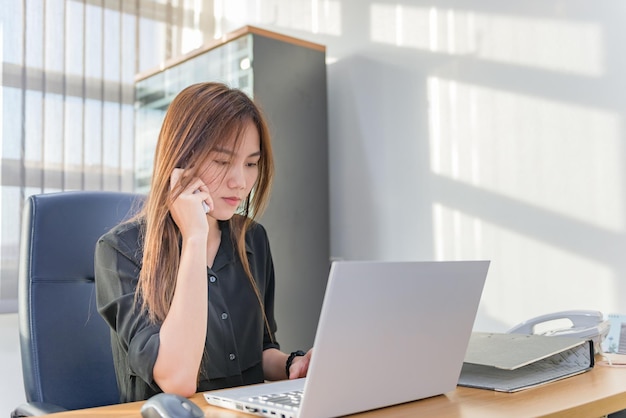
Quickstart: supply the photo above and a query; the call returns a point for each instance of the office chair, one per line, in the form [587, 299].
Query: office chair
[64, 343]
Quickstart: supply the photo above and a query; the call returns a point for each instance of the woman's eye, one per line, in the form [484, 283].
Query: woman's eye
[254, 164]
[221, 162]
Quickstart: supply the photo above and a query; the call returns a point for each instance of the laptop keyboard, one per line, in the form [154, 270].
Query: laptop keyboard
[289, 399]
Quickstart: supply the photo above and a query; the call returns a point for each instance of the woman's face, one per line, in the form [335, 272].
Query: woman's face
[230, 173]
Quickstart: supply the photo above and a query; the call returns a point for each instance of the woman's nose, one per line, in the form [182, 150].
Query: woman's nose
[236, 178]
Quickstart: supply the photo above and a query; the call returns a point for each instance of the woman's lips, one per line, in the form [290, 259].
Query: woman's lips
[232, 201]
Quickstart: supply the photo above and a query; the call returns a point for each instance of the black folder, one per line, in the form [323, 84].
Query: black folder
[512, 362]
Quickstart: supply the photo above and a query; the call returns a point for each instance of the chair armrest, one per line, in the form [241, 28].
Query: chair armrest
[34, 409]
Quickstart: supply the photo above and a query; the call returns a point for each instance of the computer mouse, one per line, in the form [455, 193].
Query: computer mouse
[169, 405]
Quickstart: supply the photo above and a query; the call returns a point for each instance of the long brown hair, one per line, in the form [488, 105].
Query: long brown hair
[201, 118]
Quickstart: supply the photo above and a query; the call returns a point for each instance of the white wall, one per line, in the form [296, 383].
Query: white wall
[476, 129]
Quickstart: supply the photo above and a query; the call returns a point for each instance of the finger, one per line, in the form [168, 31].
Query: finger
[206, 196]
[205, 205]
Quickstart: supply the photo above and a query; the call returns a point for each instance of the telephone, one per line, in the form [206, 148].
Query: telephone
[585, 324]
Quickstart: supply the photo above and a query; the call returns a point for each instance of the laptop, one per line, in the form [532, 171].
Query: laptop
[388, 333]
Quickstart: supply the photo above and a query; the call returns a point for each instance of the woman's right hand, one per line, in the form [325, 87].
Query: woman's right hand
[181, 340]
[187, 209]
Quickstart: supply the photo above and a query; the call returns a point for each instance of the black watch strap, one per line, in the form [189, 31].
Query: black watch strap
[293, 355]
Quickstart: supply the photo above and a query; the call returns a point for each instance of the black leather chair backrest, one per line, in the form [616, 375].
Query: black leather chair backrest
[65, 344]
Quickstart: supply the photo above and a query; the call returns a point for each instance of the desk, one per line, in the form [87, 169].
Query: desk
[592, 394]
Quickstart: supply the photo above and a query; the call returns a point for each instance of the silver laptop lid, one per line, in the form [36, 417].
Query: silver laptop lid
[391, 332]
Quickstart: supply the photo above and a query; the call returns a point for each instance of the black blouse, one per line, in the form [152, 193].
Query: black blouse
[236, 334]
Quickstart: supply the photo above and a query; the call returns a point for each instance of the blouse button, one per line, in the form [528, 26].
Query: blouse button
[224, 315]
[231, 356]
[212, 279]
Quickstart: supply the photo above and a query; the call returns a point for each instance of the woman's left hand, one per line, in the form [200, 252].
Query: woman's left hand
[300, 365]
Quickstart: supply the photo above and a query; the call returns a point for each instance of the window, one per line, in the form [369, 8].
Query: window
[67, 97]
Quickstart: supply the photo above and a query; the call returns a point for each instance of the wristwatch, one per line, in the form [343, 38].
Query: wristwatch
[293, 355]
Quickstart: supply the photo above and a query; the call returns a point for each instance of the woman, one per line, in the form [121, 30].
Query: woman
[187, 285]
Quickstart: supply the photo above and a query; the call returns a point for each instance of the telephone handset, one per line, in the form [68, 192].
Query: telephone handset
[585, 324]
